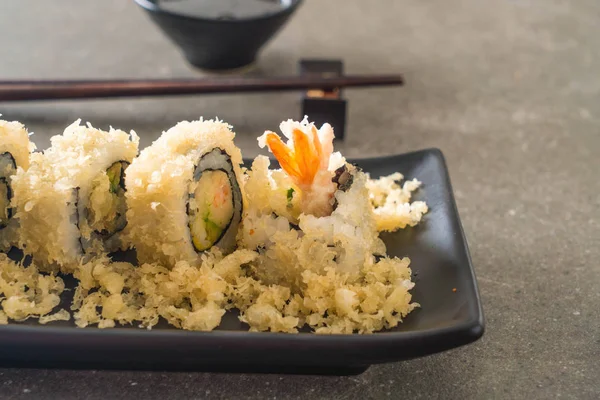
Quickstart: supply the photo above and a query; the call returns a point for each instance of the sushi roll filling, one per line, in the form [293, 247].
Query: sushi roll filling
[8, 167]
[211, 208]
[214, 205]
[107, 205]
[5, 210]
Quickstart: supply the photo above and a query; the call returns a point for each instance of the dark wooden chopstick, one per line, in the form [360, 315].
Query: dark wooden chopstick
[68, 89]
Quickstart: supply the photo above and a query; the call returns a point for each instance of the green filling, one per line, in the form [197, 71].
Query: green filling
[8, 167]
[210, 208]
[4, 204]
[114, 176]
[290, 194]
[106, 213]
[213, 231]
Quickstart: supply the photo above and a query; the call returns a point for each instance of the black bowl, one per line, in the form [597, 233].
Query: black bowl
[218, 44]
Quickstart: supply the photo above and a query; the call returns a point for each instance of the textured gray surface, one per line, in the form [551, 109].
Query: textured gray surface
[509, 90]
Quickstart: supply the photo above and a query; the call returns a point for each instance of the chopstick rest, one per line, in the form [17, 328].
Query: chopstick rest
[324, 105]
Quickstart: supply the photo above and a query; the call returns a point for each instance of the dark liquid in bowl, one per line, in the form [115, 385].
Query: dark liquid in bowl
[223, 9]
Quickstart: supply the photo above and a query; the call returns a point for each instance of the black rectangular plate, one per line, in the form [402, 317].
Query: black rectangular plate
[447, 318]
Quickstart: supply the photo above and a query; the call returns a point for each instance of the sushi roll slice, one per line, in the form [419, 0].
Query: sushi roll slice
[327, 222]
[71, 201]
[14, 153]
[184, 194]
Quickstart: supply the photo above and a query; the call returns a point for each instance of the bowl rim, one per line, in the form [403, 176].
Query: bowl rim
[152, 7]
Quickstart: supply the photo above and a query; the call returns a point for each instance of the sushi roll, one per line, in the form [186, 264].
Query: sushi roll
[71, 201]
[313, 228]
[312, 214]
[184, 194]
[14, 153]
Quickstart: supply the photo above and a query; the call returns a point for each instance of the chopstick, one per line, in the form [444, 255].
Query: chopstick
[82, 89]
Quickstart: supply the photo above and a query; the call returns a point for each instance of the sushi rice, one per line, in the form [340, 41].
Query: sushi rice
[290, 247]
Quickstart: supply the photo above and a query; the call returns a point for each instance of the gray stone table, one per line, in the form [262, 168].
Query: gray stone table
[508, 89]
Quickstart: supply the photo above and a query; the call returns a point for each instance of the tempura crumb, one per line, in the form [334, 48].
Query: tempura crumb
[61, 315]
[391, 202]
[25, 292]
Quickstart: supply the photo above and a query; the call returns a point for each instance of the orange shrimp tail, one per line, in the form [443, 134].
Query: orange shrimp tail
[307, 158]
[283, 154]
[317, 142]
